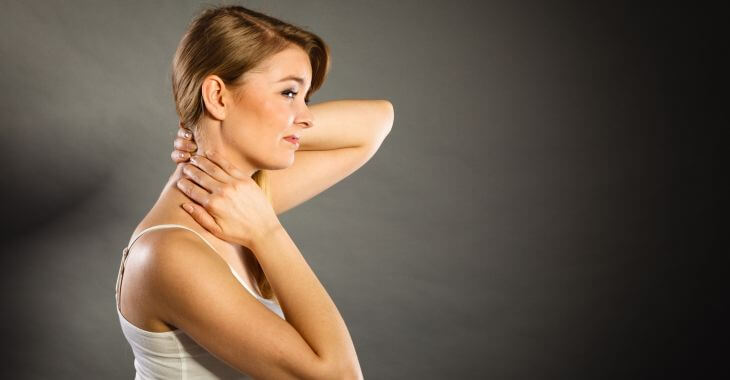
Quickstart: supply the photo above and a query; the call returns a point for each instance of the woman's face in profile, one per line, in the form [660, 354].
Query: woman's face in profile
[270, 106]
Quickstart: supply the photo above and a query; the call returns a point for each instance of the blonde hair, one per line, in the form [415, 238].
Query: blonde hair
[228, 41]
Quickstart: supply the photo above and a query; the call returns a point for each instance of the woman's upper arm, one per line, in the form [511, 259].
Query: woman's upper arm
[314, 171]
[195, 291]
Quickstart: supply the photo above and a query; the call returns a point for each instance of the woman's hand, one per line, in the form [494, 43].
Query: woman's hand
[184, 145]
[226, 202]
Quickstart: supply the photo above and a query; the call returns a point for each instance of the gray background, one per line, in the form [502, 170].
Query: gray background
[538, 211]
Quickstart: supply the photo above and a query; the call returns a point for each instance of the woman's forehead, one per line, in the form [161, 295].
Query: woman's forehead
[286, 65]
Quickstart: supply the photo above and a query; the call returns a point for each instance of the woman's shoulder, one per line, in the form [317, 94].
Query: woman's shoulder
[165, 244]
[170, 258]
[162, 264]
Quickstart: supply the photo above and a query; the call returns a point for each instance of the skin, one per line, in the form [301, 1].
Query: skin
[248, 130]
[245, 126]
[172, 276]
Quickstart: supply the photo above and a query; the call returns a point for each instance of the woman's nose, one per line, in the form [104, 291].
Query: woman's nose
[306, 118]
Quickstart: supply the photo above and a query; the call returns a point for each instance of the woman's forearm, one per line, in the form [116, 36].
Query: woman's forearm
[347, 123]
[306, 304]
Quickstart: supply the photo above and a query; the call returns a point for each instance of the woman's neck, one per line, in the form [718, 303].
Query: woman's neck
[168, 210]
[208, 138]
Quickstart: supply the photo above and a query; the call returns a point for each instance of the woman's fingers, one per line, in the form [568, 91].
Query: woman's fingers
[179, 156]
[194, 192]
[184, 145]
[201, 178]
[203, 218]
[210, 168]
[223, 163]
[184, 133]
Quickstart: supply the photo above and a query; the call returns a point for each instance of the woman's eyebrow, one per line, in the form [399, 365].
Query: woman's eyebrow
[296, 78]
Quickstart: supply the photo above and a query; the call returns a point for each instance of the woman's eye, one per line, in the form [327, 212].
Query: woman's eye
[289, 92]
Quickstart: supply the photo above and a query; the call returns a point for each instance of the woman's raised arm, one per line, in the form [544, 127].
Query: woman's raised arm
[347, 123]
[338, 124]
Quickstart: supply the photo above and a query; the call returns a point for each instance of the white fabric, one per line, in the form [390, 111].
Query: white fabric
[173, 354]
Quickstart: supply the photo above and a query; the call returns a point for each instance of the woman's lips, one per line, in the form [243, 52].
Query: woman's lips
[292, 140]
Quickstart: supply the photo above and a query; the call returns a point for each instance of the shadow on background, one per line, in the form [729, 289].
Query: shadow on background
[544, 207]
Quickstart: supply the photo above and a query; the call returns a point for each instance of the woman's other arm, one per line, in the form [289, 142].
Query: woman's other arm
[345, 135]
[347, 123]
[305, 302]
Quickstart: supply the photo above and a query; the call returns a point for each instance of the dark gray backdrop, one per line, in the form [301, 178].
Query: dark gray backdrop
[536, 212]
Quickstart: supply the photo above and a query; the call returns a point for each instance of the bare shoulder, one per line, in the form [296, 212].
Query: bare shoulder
[156, 253]
[148, 265]
[172, 249]
[193, 289]
[172, 260]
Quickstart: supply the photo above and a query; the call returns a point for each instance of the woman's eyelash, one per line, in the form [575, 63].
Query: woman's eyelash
[287, 92]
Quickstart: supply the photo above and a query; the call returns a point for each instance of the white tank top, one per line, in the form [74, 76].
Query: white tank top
[173, 354]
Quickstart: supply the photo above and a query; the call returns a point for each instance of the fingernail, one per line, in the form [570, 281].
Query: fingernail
[187, 135]
[188, 207]
[181, 154]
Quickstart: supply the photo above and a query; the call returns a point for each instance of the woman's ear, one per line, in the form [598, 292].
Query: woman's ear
[213, 90]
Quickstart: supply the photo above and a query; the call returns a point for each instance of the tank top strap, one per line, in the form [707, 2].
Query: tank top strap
[161, 226]
[125, 252]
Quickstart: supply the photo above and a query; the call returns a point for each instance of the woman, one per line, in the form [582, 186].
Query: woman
[221, 290]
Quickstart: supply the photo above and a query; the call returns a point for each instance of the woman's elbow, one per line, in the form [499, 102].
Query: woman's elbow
[350, 372]
[384, 122]
[388, 115]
